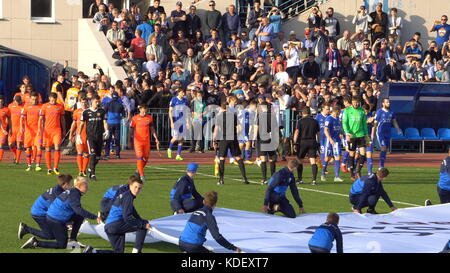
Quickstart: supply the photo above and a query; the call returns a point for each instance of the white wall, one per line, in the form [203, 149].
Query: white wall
[93, 47]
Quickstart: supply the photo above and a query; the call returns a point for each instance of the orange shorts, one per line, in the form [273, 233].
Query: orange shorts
[83, 148]
[54, 138]
[3, 138]
[15, 137]
[32, 139]
[142, 150]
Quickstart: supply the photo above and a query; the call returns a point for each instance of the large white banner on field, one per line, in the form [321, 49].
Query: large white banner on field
[411, 230]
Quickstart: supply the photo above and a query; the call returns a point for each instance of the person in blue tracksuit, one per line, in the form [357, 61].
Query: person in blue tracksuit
[110, 196]
[443, 187]
[322, 240]
[123, 218]
[194, 233]
[184, 189]
[114, 113]
[366, 191]
[40, 207]
[65, 208]
[275, 198]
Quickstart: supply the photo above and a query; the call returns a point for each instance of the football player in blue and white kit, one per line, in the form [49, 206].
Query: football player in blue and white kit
[321, 117]
[384, 119]
[179, 106]
[333, 143]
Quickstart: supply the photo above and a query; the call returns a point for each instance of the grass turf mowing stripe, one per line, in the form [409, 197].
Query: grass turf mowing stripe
[300, 188]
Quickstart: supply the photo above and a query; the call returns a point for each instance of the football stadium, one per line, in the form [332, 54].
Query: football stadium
[264, 126]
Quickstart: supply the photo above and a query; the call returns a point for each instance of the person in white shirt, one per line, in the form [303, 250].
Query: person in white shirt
[395, 24]
[282, 76]
[293, 62]
[362, 20]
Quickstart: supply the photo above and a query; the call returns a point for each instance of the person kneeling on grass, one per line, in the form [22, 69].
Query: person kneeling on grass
[322, 240]
[40, 208]
[122, 219]
[181, 195]
[110, 196]
[66, 208]
[366, 191]
[275, 199]
[193, 235]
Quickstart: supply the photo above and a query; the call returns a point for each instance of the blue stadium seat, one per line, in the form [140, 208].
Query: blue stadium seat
[395, 135]
[444, 133]
[428, 134]
[412, 134]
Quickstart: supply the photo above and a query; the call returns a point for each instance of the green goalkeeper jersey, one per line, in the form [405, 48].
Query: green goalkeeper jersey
[354, 122]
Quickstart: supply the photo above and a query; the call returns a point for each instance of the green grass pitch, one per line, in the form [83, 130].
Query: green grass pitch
[20, 189]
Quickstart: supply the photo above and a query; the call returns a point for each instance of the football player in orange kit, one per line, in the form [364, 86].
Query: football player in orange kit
[29, 124]
[15, 138]
[51, 118]
[5, 121]
[25, 94]
[82, 149]
[141, 127]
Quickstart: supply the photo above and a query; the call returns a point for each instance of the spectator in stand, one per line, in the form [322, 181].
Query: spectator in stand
[379, 24]
[311, 69]
[362, 20]
[254, 18]
[138, 46]
[161, 38]
[331, 24]
[102, 19]
[344, 42]
[154, 49]
[193, 21]
[333, 58]
[442, 29]
[395, 25]
[156, 7]
[95, 7]
[231, 22]
[213, 18]
[152, 67]
[181, 75]
[278, 41]
[275, 18]
[115, 34]
[264, 32]
[412, 49]
[315, 19]
[393, 71]
[146, 28]
[178, 18]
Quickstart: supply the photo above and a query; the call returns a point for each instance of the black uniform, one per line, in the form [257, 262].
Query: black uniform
[227, 123]
[265, 120]
[94, 122]
[308, 145]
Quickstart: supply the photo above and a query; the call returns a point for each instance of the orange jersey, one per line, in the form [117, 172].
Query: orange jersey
[31, 114]
[4, 115]
[102, 94]
[16, 113]
[77, 118]
[141, 127]
[52, 115]
[26, 98]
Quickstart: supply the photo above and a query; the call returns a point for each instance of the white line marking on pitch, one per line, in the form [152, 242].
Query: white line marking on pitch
[300, 188]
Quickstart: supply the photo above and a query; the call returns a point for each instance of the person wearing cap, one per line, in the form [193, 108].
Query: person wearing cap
[115, 111]
[178, 18]
[184, 197]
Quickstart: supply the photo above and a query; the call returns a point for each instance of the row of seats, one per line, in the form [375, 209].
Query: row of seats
[425, 134]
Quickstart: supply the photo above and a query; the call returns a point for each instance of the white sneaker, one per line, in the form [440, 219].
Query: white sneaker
[338, 179]
[258, 162]
[74, 245]
[232, 160]
[323, 178]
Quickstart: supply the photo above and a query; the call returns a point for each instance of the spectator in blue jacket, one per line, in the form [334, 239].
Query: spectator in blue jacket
[325, 234]
[193, 235]
[40, 207]
[366, 191]
[275, 199]
[146, 28]
[181, 195]
[115, 111]
[64, 209]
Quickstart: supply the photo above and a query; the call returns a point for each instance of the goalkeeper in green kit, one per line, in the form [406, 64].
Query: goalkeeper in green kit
[355, 127]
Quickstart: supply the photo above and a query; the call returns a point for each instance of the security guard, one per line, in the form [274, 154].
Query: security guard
[366, 191]
[184, 189]
[322, 240]
[275, 199]
[66, 208]
[194, 233]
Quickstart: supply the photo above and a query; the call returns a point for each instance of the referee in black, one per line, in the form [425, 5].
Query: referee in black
[226, 132]
[306, 142]
[264, 121]
[94, 119]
